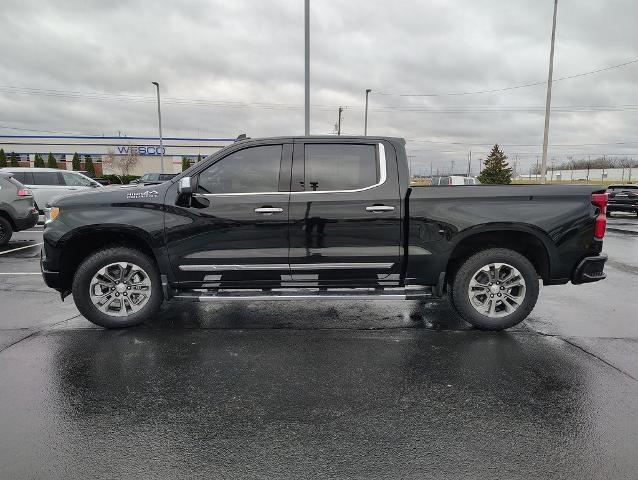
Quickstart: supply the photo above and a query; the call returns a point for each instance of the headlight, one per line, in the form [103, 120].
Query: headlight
[51, 214]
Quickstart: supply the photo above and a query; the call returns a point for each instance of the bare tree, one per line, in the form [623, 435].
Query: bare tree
[128, 161]
[121, 163]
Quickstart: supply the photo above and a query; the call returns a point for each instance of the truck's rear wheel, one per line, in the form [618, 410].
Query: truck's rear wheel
[117, 287]
[495, 289]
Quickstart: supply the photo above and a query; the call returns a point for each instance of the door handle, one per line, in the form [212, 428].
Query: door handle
[379, 208]
[268, 210]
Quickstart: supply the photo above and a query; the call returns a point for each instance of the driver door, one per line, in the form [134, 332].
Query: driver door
[235, 231]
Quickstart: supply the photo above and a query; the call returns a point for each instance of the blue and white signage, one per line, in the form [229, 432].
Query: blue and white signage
[141, 149]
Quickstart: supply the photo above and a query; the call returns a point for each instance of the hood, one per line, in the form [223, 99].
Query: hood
[112, 194]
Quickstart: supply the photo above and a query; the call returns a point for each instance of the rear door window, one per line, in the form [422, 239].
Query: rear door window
[75, 180]
[332, 166]
[25, 178]
[46, 178]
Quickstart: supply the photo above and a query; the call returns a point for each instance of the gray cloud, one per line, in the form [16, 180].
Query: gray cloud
[252, 52]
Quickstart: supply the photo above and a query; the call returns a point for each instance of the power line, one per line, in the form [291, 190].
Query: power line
[514, 87]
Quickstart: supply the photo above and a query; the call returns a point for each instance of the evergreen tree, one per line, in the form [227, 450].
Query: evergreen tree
[76, 164]
[496, 168]
[51, 161]
[3, 159]
[88, 165]
[186, 163]
[38, 162]
[14, 160]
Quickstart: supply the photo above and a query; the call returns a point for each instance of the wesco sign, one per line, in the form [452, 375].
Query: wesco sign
[141, 150]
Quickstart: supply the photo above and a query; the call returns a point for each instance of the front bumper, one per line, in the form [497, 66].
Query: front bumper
[590, 269]
[52, 279]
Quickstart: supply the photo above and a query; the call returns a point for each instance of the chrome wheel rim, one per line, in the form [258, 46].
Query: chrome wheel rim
[120, 289]
[497, 290]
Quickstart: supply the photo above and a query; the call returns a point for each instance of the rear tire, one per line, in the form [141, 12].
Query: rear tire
[495, 289]
[117, 287]
[6, 231]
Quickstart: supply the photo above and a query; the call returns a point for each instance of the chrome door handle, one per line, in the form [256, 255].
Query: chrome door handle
[268, 210]
[379, 208]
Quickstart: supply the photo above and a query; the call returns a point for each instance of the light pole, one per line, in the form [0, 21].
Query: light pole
[365, 124]
[307, 66]
[339, 121]
[549, 98]
[159, 117]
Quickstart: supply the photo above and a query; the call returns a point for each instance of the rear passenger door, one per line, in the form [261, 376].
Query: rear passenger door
[345, 212]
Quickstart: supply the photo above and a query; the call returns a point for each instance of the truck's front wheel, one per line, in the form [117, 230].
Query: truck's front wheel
[117, 287]
[495, 289]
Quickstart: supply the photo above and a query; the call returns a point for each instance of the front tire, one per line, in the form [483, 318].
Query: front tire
[495, 289]
[6, 231]
[117, 287]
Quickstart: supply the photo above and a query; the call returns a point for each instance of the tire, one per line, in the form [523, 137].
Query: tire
[6, 231]
[505, 304]
[97, 274]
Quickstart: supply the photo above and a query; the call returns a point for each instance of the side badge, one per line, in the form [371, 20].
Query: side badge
[144, 194]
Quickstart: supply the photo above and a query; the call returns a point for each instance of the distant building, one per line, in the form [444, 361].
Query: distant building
[148, 150]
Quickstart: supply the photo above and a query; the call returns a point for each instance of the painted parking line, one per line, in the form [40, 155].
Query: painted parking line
[20, 273]
[21, 248]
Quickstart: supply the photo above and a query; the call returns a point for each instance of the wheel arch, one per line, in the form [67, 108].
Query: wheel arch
[81, 243]
[527, 240]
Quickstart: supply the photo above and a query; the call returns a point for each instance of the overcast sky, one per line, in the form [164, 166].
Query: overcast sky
[228, 67]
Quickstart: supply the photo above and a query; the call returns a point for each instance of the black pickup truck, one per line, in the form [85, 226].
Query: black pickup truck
[299, 218]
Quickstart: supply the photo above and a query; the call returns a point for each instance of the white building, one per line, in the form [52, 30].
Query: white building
[148, 150]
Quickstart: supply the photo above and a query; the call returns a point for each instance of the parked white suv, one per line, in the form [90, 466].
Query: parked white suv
[46, 183]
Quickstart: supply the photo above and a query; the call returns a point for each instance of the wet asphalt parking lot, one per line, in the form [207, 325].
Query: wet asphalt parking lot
[321, 389]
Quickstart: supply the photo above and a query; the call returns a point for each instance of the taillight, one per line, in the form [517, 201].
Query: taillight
[600, 201]
[24, 192]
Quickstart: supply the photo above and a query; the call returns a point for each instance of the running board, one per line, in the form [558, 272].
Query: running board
[409, 293]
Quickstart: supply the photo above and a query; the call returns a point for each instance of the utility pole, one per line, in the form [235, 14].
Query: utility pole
[410, 160]
[469, 163]
[548, 105]
[159, 116]
[431, 168]
[480, 165]
[452, 172]
[365, 124]
[307, 66]
[339, 121]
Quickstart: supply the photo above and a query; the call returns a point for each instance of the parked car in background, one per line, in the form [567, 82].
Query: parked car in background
[46, 183]
[622, 198]
[17, 211]
[451, 180]
[152, 178]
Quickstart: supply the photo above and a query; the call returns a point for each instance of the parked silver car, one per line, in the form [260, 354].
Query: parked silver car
[46, 183]
[16, 208]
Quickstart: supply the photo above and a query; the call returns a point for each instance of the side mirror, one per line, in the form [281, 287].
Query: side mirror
[185, 186]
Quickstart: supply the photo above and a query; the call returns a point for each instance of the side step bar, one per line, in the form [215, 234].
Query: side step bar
[405, 293]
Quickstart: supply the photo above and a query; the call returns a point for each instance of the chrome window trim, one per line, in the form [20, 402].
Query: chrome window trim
[383, 176]
[284, 266]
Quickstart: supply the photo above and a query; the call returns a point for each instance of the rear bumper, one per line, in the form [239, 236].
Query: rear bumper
[622, 207]
[27, 222]
[590, 269]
